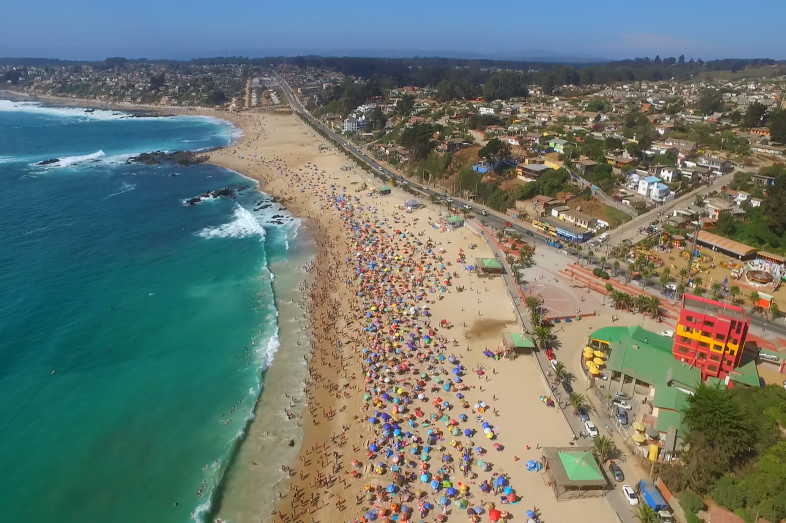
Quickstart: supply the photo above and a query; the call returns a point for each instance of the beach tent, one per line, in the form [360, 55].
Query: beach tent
[574, 472]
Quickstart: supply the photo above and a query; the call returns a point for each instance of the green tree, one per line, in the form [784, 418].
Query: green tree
[644, 514]
[728, 492]
[777, 125]
[755, 116]
[734, 293]
[715, 289]
[605, 448]
[494, 151]
[560, 372]
[404, 106]
[720, 435]
[710, 101]
[652, 307]
[543, 335]
[726, 225]
[578, 401]
[691, 502]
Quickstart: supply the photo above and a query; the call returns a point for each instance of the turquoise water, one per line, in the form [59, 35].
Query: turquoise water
[133, 328]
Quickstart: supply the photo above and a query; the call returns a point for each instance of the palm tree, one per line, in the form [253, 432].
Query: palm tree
[616, 297]
[774, 310]
[754, 298]
[500, 236]
[645, 514]
[543, 335]
[616, 267]
[734, 292]
[560, 371]
[605, 448]
[640, 302]
[627, 301]
[697, 282]
[578, 401]
[532, 303]
[653, 307]
[631, 270]
[715, 288]
[602, 262]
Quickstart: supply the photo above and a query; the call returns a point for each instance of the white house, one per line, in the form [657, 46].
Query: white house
[652, 188]
[486, 110]
[670, 174]
[351, 125]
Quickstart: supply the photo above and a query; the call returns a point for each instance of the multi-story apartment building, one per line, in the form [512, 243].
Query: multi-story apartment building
[710, 335]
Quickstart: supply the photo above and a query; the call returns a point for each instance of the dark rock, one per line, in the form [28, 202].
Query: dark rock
[291, 443]
[178, 157]
[49, 162]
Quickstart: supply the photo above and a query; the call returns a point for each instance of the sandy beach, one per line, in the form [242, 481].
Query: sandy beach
[373, 256]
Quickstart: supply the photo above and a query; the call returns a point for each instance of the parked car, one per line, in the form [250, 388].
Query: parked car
[508, 224]
[550, 354]
[583, 415]
[591, 429]
[630, 495]
[671, 287]
[567, 386]
[484, 212]
[621, 404]
[621, 396]
[622, 416]
[616, 471]
[769, 357]
[553, 363]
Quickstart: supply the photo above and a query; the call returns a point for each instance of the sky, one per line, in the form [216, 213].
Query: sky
[601, 29]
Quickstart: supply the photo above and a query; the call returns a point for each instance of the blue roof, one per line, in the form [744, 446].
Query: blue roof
[651, 179]
[662, 186]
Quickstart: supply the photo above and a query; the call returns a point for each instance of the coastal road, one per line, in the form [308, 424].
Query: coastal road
[493, 218]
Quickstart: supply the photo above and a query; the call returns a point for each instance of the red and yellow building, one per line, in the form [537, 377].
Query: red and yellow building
[710, 335]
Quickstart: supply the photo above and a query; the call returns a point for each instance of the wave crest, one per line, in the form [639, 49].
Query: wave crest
[244, 225]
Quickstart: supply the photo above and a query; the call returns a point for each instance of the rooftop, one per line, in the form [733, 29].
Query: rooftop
[712, 307]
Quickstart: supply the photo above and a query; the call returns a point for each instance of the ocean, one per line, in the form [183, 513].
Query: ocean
[135, 330]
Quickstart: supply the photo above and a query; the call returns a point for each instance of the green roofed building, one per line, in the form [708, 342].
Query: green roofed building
[574, 472]
[384, 190]
[455, 221]
[488, 265]
[517, 343]
[645, 357]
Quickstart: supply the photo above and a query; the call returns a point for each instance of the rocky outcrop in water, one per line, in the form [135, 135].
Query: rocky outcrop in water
[49, 162]
[224, 192]
[178, 157]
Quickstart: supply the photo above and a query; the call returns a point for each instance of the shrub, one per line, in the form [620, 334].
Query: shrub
[691, 502]
[604, 275]
[596, 271]
[609, 287]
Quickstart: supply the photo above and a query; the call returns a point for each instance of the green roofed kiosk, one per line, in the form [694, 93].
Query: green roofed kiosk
[486, 266]
[517, 343]
[384, 190]
[574, 472]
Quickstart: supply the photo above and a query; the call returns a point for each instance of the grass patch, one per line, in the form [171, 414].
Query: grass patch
[616, 217]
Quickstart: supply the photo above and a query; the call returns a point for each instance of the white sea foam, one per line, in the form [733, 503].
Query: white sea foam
[68, 161]
[126, 187]
[37, 107]
[244, 225]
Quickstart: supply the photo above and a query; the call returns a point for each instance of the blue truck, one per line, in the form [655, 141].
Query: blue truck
[652, 497]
